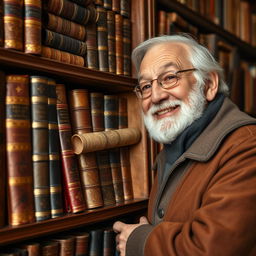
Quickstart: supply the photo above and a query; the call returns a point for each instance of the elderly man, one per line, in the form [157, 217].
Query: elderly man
[203, 200]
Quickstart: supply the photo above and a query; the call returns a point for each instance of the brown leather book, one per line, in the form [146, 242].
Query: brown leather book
[81, 122]
[109, 242]
[81, 243]
[19, 154]
[116, 6]
[125, 8]
[127, 46]
[32, 26]
[33, 248]
[71, 181]
[102, 38]
[124, 151]
[3, 182]
[62, 56]
[119, 44]
[66, 245]
[13, 18]
[40, 146]
[1, 23]
[55, 177]
[49, 248]
[111, 41]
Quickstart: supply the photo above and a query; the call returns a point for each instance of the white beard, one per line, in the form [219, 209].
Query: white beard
[167, 129]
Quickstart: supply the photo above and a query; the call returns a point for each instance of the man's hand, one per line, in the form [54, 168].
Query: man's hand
[124, 231]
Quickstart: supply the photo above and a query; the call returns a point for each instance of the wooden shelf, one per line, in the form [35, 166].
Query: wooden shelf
[66, 73]
[68, 222]
[207, 26]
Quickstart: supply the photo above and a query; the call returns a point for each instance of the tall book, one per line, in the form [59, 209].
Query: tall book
[71, 180]
[19, 154]
[111, 123]
[111, 41]
[102, 37]
[103, 161]
[81, 123]
[124, 151]
[96, 242]
[32, 26]
[1, 23]
[3, 182]
[119, 44]
[127, 46]
[66, 245]
[55, 177]
[13, 18]
[109, 242]
[40, 146]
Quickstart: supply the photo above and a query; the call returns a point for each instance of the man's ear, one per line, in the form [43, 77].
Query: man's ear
[211, 86]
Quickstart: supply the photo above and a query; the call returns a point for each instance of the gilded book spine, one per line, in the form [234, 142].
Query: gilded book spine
[125, 8]
[116, 6]
[72, 185]
[13, 18]
[127, 47]
[19, 154]
[111, 41]
[55, 177]
[66, 245]
[119, 44]
[40, 146]
[32, 26]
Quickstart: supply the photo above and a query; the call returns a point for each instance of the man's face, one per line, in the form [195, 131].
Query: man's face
[167, 112]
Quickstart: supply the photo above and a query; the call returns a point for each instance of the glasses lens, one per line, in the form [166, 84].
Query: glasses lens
[168, 80]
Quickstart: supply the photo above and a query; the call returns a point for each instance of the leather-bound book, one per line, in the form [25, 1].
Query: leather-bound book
[109, 242]
[33, 248]
[2, 151]
[49, 248]
[107, 4]
[125, 152]
[1, 23]
[116, 6]
[72, 185]
[99, 2]
[102, 37]
[81, 122]
[13, 18]
[19, 154]
[40, 146]
[32, 26]
[62, 56]
[81, 244]
[64, 26]
[127, 46]
[92, 48]
[96, 242]
[119, 44]
[111, 123]
[55, 177]
[125, 8]
[64, 43]
[66, 245]
[111, 41]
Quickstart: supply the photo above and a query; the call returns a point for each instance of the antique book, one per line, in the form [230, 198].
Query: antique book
[127, 46]
[40, 146]
[116, 6]
[64, 26]
[13, 18]
[111, 41]
[3, 182]
[19, 154]
[96, 242]
[81, 122]
[55, 177]
[102, 38]
[33, 248]
[92, 48]
[49, 248]
[81, 243]
[1, 23]
[66, 245]
[125, 8]
[119, 44]
[64, 43]
[62, 56]
[109, 244]
[32, 26]
[124, 151]
[107, 4]
[72, 186]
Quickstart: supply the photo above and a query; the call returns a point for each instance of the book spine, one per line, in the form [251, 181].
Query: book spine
[1, 23]
[92, 48]
[102, 37]
[96, 242]
[99, 2]
[64, 43]
[62, 56]
[13, 18]
[125, 8]
[110, 112]
[116, 6]
[119, 44]
[40, 146]
[111, 41]
[97, 111]
[19, 155]
[81, 121]
[33, 248]
[126, 47]
[81, 244]
[72, 185]
[64, 26]
[107, 4]
[49, 248]
[54, 154]
[108, 242]
[32, 26]
[66, 245]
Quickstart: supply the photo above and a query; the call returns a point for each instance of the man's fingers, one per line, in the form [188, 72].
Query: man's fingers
[143, 220]
[118, 226]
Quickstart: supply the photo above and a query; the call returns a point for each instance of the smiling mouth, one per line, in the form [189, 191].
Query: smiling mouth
[166, 110]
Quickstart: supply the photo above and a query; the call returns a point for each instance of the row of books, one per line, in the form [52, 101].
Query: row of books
[96, 242]
[95, 34]
[43, 176]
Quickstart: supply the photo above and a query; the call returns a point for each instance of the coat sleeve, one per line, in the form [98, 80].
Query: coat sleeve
[223, 224]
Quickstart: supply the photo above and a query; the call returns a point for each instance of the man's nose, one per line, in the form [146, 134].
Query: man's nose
[158, 94]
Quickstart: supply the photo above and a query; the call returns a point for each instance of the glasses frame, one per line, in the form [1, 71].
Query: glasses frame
[138, 91]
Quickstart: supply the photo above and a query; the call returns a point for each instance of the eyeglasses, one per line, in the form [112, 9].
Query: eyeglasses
[166, 80]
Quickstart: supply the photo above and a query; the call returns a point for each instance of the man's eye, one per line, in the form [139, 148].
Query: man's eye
[145, 87]
[169, 78]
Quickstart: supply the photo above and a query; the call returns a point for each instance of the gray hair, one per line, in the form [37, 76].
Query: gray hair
[200, 57]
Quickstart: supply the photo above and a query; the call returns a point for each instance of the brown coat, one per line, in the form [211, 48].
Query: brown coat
[207, 206]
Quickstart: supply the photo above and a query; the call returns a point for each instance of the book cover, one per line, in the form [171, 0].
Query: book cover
[109, 245]
[33, 248]
[127, 46]
[66, 245]
[96, 242]
[81, 243]
[116, 6]
[125, 8]
[1, 23]
[119, 44]
[19, 151]
[111, 41]
[49, 248]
